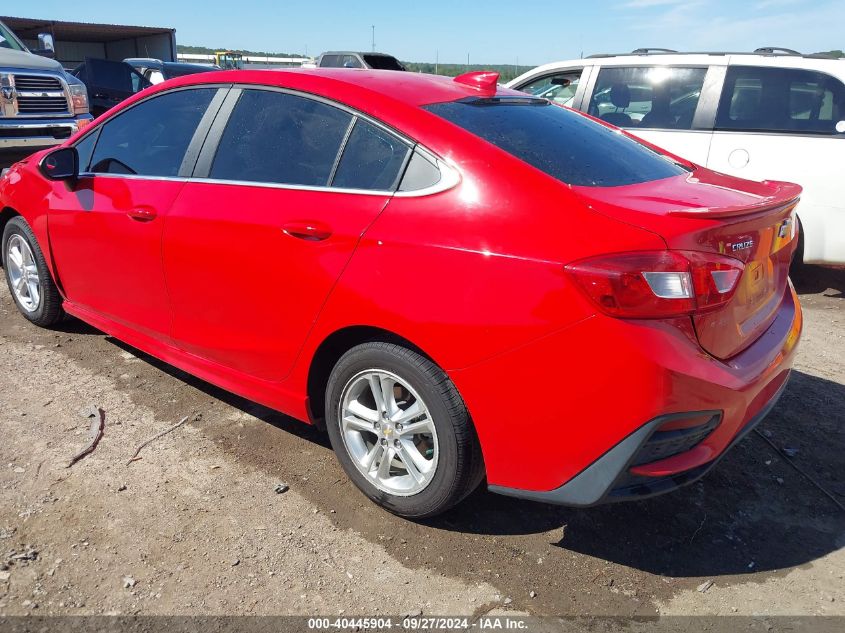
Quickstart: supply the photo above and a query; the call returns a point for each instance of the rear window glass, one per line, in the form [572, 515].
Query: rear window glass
[565, 145]
[383, 62]
[371, 160]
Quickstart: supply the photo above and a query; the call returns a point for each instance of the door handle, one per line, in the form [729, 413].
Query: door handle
[143, 214]
[308, 231]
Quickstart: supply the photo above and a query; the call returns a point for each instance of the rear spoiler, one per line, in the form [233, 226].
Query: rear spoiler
[784, 195]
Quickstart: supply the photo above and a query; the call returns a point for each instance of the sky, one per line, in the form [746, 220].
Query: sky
[495, 31]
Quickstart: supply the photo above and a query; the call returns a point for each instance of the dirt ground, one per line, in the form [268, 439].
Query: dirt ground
[196, 527]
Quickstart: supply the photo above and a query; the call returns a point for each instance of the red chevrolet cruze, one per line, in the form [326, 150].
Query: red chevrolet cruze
[458, 281]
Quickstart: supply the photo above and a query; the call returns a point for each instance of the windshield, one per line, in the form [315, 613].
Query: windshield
[7, 40]
[564, 144]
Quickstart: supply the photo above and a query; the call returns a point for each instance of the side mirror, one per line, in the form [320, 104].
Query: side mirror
[46, 46]
[61, 164]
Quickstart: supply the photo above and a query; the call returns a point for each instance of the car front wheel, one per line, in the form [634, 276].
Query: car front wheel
[28, 277]
[401, 430]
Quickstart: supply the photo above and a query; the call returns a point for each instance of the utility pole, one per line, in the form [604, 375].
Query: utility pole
[436, 61]
[467, 62]
[374, 37]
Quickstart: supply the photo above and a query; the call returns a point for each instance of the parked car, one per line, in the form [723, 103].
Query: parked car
[459, 281]
[109, 82]
[40, 104]
[769, 114]
[155, 70]
[351, 59]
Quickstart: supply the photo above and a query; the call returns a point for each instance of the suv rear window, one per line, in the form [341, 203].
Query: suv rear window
[565, 145]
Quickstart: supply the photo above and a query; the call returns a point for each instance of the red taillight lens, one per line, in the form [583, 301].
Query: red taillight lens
[658, 284]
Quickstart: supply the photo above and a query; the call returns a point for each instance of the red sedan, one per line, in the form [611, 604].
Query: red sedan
[457, 281]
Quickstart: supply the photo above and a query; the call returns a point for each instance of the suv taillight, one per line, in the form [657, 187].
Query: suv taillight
[657, 284]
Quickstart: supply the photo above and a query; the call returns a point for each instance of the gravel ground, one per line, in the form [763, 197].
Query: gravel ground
[196, 527]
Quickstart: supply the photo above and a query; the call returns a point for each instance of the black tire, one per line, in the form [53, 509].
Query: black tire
[49, 310]
[797, 268]
[460, 466]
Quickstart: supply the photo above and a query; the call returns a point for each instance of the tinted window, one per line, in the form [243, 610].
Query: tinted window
[653, 97]
[85, 149]
[383, 62]
[562, 143]
[781, 100]
[151, 138]
[371, 159]
[559, 88]
[280, 138]
[420, 174]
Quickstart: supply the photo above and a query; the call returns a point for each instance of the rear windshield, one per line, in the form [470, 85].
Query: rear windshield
[566, 145]
[383, 62]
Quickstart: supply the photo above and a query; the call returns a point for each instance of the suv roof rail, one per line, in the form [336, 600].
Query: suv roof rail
[766, 50]
[648, 51]
[776, 50]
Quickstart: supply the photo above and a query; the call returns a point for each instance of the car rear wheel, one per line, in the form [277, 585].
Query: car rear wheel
[28, 277]
[401, 430]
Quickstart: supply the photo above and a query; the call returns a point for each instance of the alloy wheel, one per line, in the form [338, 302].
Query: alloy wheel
[388, 432]
[23, 273]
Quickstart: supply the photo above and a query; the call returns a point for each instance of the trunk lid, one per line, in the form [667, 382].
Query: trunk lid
[710, 212]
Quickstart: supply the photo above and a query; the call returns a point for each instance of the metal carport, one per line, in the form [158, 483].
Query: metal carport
[77, 40]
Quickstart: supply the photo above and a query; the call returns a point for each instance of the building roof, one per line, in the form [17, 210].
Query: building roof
[29, 28]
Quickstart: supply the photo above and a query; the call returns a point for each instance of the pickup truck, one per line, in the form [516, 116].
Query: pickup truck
[354, 59]
[40, 104]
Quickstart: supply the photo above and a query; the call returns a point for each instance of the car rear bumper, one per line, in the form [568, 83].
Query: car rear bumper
[599, 395]
[610, 478]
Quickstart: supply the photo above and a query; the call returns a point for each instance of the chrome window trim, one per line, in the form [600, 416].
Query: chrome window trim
[445, 183]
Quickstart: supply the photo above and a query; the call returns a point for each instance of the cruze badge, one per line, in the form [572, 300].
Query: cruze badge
[741, 246]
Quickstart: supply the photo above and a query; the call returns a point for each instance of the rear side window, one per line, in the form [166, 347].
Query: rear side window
[559, 88]
[786, 100]
[564, 144]
[661, 97]
[151, 138]
[371, 159]
[276, 137]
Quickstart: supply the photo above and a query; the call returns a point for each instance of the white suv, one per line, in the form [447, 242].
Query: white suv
[772, 114]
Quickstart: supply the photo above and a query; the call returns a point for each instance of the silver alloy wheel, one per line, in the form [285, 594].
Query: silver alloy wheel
[388, 432]
[23, 273]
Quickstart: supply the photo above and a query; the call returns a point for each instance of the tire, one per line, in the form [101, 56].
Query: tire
[797, 268]
[19, 241]
[446, 439]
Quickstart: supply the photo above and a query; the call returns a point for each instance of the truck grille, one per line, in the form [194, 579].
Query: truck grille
[42, 105]
[37, 82]
[35, 96]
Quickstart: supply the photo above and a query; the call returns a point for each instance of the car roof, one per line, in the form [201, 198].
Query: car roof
[415, 89]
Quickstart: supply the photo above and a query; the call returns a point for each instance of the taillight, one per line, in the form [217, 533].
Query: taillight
[658, 284]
